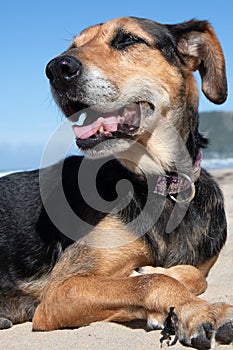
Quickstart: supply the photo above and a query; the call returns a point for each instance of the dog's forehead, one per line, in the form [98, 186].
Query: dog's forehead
[146, 29]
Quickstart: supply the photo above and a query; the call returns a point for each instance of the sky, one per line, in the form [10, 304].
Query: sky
[33, 32]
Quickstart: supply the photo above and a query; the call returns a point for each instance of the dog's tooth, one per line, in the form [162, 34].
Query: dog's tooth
[101, 129]
[81, 119]
[120, 119]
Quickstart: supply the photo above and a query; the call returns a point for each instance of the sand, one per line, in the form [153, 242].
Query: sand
[113, 336]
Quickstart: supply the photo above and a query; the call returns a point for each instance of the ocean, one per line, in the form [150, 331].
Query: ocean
[212, 163]
[217, 163]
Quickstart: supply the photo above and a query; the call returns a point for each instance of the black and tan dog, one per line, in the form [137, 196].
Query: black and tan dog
[70, 241]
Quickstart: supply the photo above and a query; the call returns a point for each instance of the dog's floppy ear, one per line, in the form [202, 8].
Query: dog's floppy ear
[199, 47]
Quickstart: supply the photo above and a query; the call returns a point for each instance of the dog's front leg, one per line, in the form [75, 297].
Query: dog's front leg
[188, 275]
[81, 300]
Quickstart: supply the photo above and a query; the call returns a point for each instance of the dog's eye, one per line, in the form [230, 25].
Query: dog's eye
[123, 40]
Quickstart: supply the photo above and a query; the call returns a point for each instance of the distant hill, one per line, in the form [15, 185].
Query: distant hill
[218, 128]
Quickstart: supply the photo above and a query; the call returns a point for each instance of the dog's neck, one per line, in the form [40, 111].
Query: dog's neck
[165, 184]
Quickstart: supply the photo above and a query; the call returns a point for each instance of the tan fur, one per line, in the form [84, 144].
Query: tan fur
[188, 275]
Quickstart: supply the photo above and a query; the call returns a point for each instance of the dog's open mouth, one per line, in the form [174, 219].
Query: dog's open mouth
[92, 127]
[92, 124]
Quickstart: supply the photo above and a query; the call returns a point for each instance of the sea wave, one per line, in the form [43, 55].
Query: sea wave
[7, 172]
[217, 163]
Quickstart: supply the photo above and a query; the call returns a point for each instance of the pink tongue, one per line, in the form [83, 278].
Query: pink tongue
[83, 132]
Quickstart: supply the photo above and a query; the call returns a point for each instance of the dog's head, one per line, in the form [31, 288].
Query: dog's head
[128, 75]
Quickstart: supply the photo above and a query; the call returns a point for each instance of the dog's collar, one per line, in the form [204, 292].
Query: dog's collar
[170, 185]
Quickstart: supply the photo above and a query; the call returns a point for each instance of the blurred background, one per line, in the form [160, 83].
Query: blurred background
[34, 32]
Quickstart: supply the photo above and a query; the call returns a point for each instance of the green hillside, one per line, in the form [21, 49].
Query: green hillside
[218, 128]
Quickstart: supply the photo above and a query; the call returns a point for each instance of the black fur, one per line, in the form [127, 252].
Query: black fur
[30, 244]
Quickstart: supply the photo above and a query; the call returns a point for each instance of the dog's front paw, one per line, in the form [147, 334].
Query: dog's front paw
[195, 324]
[198, 323]
[224, 332]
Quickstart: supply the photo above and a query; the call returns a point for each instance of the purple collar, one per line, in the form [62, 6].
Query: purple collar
[168, 185]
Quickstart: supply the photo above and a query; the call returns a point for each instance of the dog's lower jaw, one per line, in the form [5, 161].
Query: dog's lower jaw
[111, 147]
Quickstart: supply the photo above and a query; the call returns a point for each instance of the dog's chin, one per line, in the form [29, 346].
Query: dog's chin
[103, 148]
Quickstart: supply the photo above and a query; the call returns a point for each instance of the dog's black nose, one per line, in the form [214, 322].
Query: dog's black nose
[62, 70]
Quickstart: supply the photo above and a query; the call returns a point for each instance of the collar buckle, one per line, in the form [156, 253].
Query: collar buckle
[192, 193]
[169, 185]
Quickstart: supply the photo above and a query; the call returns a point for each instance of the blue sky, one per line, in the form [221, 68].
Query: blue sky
[33, 32]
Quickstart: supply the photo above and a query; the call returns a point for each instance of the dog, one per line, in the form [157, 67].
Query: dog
[130, 229]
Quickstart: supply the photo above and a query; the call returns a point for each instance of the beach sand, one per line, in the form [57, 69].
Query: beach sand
[113, 336]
